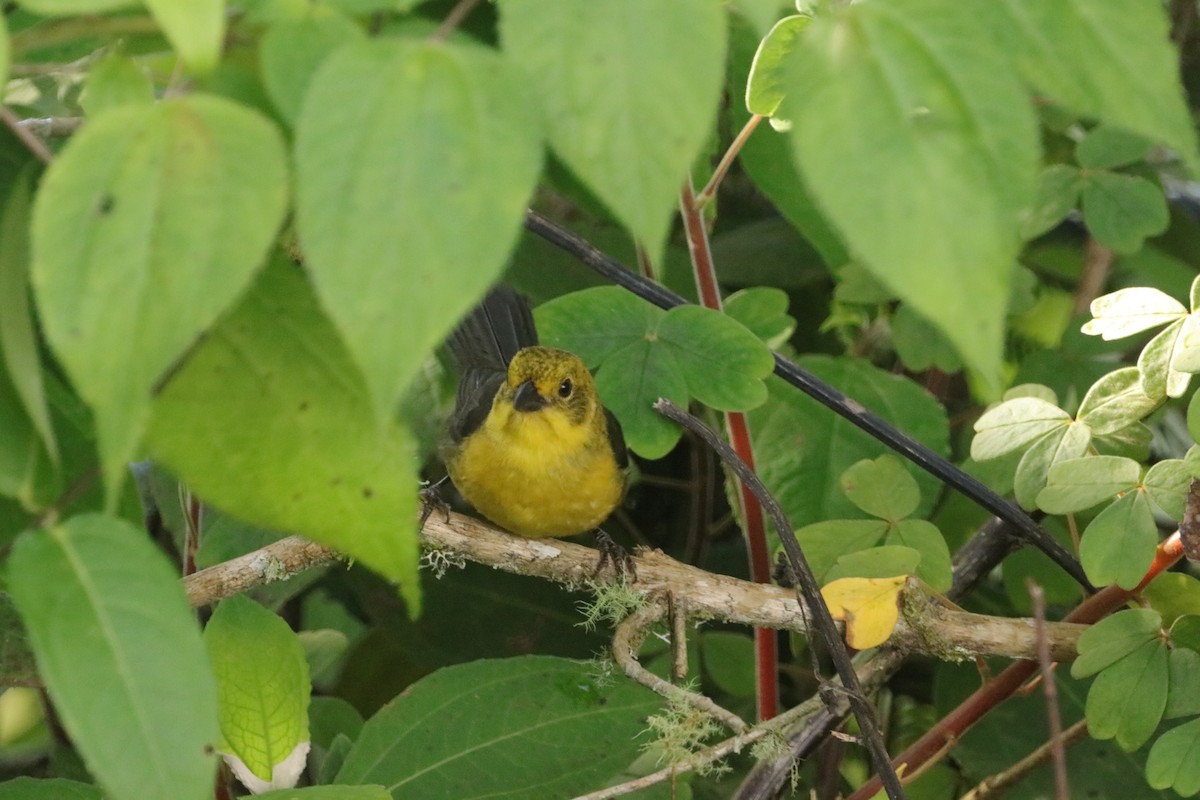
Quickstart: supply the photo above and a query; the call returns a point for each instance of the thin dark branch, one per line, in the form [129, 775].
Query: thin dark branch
[453, 19]
[1050, 689]
[827, 396]
[31, 142]
[810, 593]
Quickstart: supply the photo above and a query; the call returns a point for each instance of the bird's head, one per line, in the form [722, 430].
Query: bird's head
[544, 378]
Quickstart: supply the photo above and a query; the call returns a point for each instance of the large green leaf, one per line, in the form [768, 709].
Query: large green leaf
[640, 353]
[411, 190]
[196, 29]
[170, 209]
[18, 341]
[801, 447]
[270, 422]
[293, 49]
[262, 692]
[1109, 59]
[121, 655]
[521, 727]
[913, 99]
[629, 90]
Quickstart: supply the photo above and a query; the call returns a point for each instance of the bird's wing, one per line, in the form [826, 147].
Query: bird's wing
[482, 345]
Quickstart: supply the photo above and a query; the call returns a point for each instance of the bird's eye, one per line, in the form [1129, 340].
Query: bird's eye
[564, 388]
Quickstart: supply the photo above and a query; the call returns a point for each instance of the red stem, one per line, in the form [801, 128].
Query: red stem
[951, 727]
[765, 644]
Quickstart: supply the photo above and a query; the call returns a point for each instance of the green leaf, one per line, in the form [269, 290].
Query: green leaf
[885, 561]
[882, 488]
[920, 345]
[1127, 700]
[329, 793]
[196, 29]
[114, 82]
[639, 353]
[728, 659]
[121, 655]
[926, 539]
[801, 447]
[18, 341]
[628, 89]
[1122, 210]
[1057, 196]
[1128, 311]
[171, 209]
[913, 98]
[1067, 50]
[1116, 401]
[1118, 545]
[1174, 760]
[1081, 483]
[300, 421]
[439, 211]
[763, 310]
[293, 49]
[1186, 354]
[1174, 595]
[1159, 377]
[766, 86]
[825, 542]
[24, 788]
[1167, 484]
[1034, 467]
[262, 693]
[1109, 147]
[52, 8]
[524, 727]
[767, 159]
[1014, 425]
[1113, 638]
[1193, 417]
[1185, 631]
[1183, 692]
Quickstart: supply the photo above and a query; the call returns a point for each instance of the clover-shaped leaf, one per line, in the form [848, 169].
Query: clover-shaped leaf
[639, 353]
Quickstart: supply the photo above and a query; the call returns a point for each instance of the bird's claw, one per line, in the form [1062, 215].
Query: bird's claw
[614, 556]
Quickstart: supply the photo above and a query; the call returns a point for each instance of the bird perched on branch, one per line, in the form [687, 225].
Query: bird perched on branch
[531, 447]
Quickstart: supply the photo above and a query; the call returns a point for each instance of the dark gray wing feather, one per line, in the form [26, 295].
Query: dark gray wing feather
[482, 345]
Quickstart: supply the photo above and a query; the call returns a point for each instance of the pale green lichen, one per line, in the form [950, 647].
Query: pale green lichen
[611, 603]
[681, 730]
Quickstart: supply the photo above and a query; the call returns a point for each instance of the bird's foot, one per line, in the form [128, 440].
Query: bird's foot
[614, 556]
[431, 498]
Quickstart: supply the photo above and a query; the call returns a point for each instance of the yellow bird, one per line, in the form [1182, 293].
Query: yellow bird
[531, 447]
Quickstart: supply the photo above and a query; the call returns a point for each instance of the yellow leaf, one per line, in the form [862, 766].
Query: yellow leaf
[869, 607]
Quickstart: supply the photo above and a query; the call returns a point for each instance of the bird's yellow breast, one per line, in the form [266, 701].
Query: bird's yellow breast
[538, 473]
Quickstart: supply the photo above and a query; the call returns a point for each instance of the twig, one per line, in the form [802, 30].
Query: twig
[996, 784]
[69, 29]
[1097, 264]
[710, 189]
[1061, 786]
[31, 142]
[766, 648]
[827, 396]
[453, 19]
[628, 638]
[928, 628]
[47, 127]
[807, 586]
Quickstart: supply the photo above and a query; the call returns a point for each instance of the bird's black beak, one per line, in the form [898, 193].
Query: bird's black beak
[527, 398]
